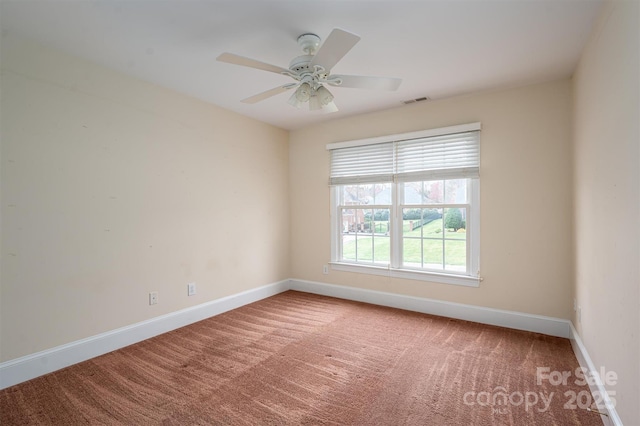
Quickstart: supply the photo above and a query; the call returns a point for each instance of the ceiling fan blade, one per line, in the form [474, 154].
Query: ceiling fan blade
[231, 58]
[334, 48]
[363, 82]
[269, 93]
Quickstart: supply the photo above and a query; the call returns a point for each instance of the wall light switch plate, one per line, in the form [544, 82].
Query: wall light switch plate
[191, 289]
[153, 298]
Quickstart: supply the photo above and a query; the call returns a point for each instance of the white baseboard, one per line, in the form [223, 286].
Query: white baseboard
[510, 319]
[596, 386]
[28, 367]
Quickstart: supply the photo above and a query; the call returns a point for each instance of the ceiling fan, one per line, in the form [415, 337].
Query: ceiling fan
[312, 72]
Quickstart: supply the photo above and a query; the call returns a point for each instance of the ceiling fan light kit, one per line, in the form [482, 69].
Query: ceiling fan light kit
[303, 92]
[324, 95]
[312, 71]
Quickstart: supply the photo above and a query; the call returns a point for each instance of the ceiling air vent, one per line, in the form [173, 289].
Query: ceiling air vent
[411, 101]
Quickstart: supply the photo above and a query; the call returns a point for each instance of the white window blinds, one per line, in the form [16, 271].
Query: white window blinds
[362, 164]
[409, 157]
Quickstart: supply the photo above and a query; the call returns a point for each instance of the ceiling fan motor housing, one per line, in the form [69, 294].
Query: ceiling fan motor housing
[300, 64]
[309, 43]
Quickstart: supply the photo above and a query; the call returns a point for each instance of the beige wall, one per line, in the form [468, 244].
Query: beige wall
[112, 188]
[607, 201]
[526, 201]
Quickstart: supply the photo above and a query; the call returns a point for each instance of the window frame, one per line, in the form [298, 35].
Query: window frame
[395, 268]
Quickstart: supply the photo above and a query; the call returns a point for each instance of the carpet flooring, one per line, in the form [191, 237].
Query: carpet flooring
[303, 359]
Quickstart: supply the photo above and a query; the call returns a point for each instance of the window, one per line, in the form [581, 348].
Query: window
[408, 205]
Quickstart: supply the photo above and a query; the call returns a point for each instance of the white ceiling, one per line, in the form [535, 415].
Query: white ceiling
[439, 48]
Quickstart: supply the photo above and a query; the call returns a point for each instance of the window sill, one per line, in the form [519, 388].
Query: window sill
[435, 277]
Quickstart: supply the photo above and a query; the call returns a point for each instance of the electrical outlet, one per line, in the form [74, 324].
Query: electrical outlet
[579, 314]
[191, 289]
[325, 269]
[153, 298]
[575, 305]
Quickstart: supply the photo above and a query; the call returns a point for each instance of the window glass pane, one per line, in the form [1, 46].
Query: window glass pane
[366, 193]
[455, 191]
[432, 256]
[381, 219]
[349, 247]
[382, 249]
[460, 234]
[452, 191]
[357, 195]
[365, 248]
[432, 223]
[455, 255]
[379, 193]
[349, 195]
[454, 220]
[382, 193]
[412, 193]
[378, 227]
[423, 238]
[351, 220]
[412, 252]
[365, 235]
[412, 221]
[433, 192]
